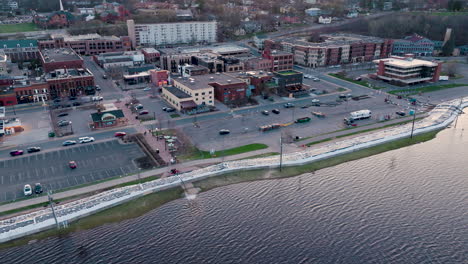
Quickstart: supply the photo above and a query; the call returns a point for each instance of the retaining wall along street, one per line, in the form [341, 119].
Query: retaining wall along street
[15, 227]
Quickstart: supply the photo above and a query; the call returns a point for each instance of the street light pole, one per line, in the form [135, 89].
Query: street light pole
[53, 210]
[281, 152]
[414, 119]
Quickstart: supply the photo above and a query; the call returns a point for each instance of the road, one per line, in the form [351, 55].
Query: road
[95, 161]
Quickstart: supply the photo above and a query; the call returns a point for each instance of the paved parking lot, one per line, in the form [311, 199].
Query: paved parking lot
[95, 161]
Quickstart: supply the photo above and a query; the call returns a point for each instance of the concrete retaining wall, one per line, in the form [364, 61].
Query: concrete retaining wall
[23, 225]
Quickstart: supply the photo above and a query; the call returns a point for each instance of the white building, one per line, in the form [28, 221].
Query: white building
[172, 33]
[12, 5]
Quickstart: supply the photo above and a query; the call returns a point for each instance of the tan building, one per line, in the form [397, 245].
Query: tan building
[187, 94]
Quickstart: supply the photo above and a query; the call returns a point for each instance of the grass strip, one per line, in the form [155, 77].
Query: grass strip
[264, 155]
[196, 153]
[427, 89]
[362, 131]
[15, 28]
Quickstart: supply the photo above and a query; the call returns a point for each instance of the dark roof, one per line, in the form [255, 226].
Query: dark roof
[177, 92]
[24, 43]
[97, 117]
[188, 104]
[58, 55]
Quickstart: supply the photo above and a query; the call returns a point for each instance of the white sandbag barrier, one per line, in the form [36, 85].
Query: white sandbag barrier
[30, 223]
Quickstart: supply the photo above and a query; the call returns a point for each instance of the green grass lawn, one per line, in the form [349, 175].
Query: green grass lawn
[427, 89]
[362, 82]
[264, 155]
[196, 153]
[174, 115]
[14, 28]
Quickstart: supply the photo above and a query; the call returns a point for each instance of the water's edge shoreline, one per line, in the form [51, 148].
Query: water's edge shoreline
[293, 164]
[134, 208]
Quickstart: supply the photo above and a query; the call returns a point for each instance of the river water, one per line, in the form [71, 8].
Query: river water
[404, 206]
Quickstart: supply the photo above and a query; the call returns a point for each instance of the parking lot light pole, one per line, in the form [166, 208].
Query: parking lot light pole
[281, 153]
[414, 119]
[139, 179]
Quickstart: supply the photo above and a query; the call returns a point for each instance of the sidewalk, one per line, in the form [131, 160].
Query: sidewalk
[357, 129]
[141, 128]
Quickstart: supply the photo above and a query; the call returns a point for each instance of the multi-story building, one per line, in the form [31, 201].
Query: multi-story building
[290, 83]
[20, 50]
[187, 94]
[29, 91]
[64, 58]
[70, 82]
[415, 44]
[90, 44]
[258, 64]
[333, 49]
[172, 33]
[280, 60]
[407, 70]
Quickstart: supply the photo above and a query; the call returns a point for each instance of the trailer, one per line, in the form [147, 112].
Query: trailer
[361, 114]
[269, 127]
[303, 120]
[319, 114]
[360, 97]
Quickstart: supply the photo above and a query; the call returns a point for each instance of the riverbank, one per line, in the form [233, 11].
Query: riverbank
[294, 163]
[143, 205]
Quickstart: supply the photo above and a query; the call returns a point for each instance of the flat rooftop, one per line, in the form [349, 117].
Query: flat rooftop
[58, 55]
[177, 92]
[401, 62]
[202, 81]
[220, 49]
[332, 40]
[288, 72]
[67, 74]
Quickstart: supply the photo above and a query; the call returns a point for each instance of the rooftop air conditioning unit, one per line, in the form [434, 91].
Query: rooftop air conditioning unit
[211, 78]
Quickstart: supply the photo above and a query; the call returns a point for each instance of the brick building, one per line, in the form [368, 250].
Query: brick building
[32, 91]
[90, 44]
[64, 58]
[407, 70]
[70, 82]
[280, 60]
[151, 55]
[227, 88]
[159, 77]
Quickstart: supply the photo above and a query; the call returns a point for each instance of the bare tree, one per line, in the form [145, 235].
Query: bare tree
[452, 69]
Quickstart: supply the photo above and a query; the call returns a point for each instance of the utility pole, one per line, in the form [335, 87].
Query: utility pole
[281, 152]
[49, 193]
[414, 119]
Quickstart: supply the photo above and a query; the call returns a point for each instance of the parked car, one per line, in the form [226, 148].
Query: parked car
[72, 98]
[72, 164]
[120, 134]
[85, 139]
[224, 132]
[316, 79]
[97, 98]
[138, 106]
[38, 188]
[275, 111]
[76, 103]
[98, 88]
[143, 112]
[27, 190]
[104, 76]
[147, 89]
[401, 113]
[265, 112]
[63, 123]
[69, 143]
[57, 100]
[288, 105]
[357, 78]
[62, 114]
[33, 149]
[16, 152]
[169, 109]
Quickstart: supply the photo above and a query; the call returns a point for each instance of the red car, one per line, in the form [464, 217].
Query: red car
[120, 134]
[72, 164]
[16, 152]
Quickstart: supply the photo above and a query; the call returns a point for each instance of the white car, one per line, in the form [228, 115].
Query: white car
[27, 190]
[147, 89]
[86, 139]
[98, 98]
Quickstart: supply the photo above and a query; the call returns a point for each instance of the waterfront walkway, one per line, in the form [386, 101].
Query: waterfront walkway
[195, 164]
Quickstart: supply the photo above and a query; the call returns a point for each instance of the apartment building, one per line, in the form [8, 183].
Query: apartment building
[415, 44]
[333, 49]
[172, 33]
[20, 50]
[407, 70]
